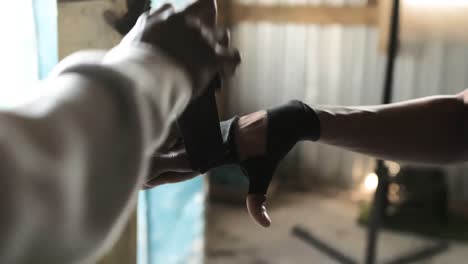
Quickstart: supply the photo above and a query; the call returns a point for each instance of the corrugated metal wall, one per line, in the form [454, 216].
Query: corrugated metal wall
[336, 64]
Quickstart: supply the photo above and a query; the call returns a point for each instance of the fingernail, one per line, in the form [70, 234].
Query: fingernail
[266, 220]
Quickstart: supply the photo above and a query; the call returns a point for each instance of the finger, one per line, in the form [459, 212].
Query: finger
[205, 10]
[173, 139]
[174, 161]
[256, 205]
[227, 60]
[169, 178]
[161, 14]
[223, 37]
[137, 30]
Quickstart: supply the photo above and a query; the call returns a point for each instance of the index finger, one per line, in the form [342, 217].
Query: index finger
[205, 10]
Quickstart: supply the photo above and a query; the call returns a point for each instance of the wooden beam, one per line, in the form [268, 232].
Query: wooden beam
[372, 2]
[384, 24]
[301, 14]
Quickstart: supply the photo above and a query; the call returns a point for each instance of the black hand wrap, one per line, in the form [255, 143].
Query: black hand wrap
[207, 140]
[287, 124]
[200, 131]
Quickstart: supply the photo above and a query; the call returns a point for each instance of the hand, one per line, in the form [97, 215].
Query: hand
[191, 39]
[170, 167]
[251, 142]
[173, 141]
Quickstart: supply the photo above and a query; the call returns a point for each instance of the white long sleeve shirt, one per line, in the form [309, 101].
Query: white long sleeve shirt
[72, 161]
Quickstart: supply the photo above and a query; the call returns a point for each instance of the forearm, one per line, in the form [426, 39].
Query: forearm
[79, 153]
[426, 130]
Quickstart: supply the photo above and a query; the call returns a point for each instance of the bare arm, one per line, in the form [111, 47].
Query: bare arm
[426, 130]
[72, 162]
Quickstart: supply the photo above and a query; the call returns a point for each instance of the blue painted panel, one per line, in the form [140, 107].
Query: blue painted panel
[171, 224]
[45, 18]
[171, 218]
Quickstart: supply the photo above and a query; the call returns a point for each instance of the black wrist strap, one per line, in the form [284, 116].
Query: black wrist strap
[287, 124]
[208, 142]
[200, 129]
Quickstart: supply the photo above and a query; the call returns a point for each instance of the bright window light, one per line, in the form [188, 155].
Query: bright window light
[436, 3]
[393, 168]
[370, 182]
[19, 64]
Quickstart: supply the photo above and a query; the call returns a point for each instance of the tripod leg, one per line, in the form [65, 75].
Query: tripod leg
[377, 213]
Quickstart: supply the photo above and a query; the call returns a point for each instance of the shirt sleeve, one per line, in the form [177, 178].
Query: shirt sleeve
[73, 160]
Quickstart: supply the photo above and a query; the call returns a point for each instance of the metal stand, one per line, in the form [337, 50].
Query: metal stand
[380, 198]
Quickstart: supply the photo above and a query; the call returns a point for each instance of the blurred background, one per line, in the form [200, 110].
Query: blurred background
[330, 52]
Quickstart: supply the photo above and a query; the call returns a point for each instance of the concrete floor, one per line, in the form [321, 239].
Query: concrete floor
[233, 238]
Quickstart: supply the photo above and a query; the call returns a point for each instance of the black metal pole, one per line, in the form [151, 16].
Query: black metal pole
[380, 197]
[392, 51]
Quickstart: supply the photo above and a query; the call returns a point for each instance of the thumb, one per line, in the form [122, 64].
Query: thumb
[256, 205]
[173, 161]
[169, 177]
